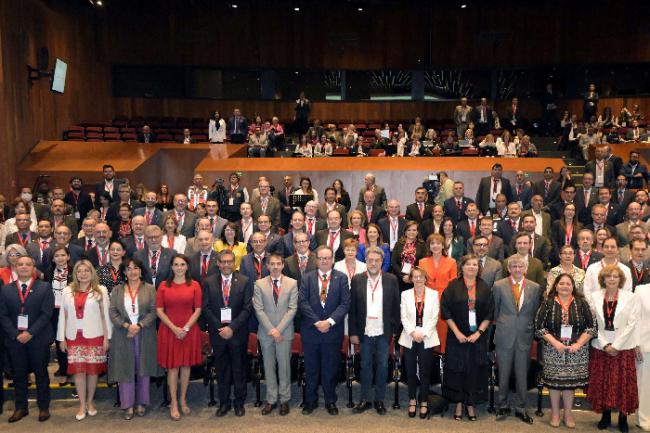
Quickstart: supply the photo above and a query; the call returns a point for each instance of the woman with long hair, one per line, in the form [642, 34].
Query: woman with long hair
[564, 231]
[171, 238]
[84, 331]
[178, 306]
[408, 250]
[59, 275]
[374, 238]
[109, 274]
[342, 196]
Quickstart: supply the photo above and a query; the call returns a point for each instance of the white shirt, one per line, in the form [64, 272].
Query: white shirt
[359, 268]
[374, 307]
[132, 308]
[522, 295]
[337, 239]
[538, 223]
[247, 229]
[393, 223]
[328, 275]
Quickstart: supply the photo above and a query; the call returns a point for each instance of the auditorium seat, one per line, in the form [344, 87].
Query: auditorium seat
[111, 130]
[375, 152]
[129, 136]
[94, 130]
[112, 136]
[201, 138]
[90, 134]
[165, 137]
[127, 130]
[74, 135]
[95, 139]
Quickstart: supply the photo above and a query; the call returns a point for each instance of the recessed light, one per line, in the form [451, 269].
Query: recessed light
[99, 3]
[296, 9]
[360, 9]
[463, 6]
[234, 6]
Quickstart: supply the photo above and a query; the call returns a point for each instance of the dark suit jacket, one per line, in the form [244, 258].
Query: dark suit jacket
[476, 115]
[553, 191]
[156, 219]
[377, 214]
[584, 214]
[321, 214]
[113, 212]
[593, 258]
[286, 247]
[285, 216]
[557, 209]
[336, 307]
[242, 127]
[76, 254]
[14, 238]
[196, 266]
[635, 182]
[484, 191]
[610, 175]
[99, 188]
[390, 305]
[617, 164]
[463, 228]
[628, 197]
[152, 138]
[39, 307]
[273, 244]
[292, 269]
[272, 210]
[240, 301]
[82, 205]
[524, 197]
[611, 228]
[189, 223]
[452, 211]
[322, 238]
[164, 269]
[506, 232]
[384, 225]
[247, 267]
[413, 212]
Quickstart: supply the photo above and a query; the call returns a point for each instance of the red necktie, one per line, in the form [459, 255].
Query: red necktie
[472, 228]
[494, 186]
[459, 203]
[204, 266]
[310, 225]
[421, 205]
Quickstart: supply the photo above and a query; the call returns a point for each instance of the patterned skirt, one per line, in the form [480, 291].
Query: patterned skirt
[612, 381]
[565, 370]
[86, 355]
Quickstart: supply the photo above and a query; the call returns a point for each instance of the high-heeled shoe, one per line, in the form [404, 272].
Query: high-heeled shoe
[458, 416]
[81, 417]
[174, 417]
[413, 412]
[470, 417]
[423, 415]
[92, 412]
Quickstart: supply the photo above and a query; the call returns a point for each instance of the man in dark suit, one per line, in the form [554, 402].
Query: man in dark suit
[273, 240]
[586, 196]
[521, 192]
[124, 196]
[491, 269]
[540, 245]
[23, 236]
[62, 236]
[253, 264]
[109, 184]
[548, 188]
[323, 302]
[456, 206]
[284, 195]
[567, 196]
[186, 220]
[489, 187]
[420, 210]
[302, 261]
[516, 300]
[146, 135]
[374, 320]
[79, 200]
[599, 219]
[514, 115]
[371, 185]
[483, 118]
[312, 223]
[203, 263]
[614, 212]
[58, 217]
[227, 307]
[636, 173]
[331, 204]
[601, 169]
[371, 212]
[333, 236]
[639, 264]
[136, 242]
[98, 255]
[586, 255]
[617, 161]
[469, 227]
[237, 128]
[26, 308]
[149, 211]
[287, 243]
[494, 247]
[156, 259]
[622, 196]
[543, 218]
[392, 225]
[508, 228]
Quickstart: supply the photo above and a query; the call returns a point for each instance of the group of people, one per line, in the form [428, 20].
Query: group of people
[131, 288]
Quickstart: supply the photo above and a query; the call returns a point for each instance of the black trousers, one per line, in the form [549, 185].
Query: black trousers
[2, 370]
[231, 362]
[61, 357]
[418, 356]
[24, 358]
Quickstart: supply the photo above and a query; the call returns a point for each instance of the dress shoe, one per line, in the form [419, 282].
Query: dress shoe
[268, 408]
[18, 415]
[380, 408]
[284, 409]
[239, 410]
[524, 417]
[80, 417]
[622, 423]
[502, 413]
[308, 408]
[332, 409]
[92, 412]
[362, 406]
[129, 414]
[605, 420]
[43, 415]
[223, 409]
[470, 417]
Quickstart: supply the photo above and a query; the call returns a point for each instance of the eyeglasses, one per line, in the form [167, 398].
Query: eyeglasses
[323, 259]
[13, 255]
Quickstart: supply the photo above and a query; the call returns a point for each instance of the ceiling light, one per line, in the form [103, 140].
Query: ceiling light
[360, 9]
[100, 3]
[234, 6]
[296, 9]
[463, 6]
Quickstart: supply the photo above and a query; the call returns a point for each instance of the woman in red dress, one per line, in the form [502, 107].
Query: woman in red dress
[178, 304]
[84, 330]
[440, 270]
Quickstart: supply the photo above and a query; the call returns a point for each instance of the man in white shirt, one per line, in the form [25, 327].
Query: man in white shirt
[392, 225]
[246, 222]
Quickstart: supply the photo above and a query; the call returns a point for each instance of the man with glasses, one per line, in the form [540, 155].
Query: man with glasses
[491, 269]
[98, 255]
[297, 226]
[156, 259]
[323, 302]
[62, 236]
[186, 219]
[253, 265]
[273, 240]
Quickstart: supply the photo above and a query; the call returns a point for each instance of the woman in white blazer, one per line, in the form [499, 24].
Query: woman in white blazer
[84, 330]
[419, 310]
[217, 129]
[612, 363]
[642, 299]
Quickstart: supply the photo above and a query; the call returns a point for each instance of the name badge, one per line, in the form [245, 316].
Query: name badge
[58, 297]
[565, 332]
[226, 315]
[406, 268]
[231, 201]
[77, 215]
[373, 311]
[472, 320]
[23, 322]
[610, 336]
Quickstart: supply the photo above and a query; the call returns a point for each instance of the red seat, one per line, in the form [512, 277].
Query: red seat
[129, 136]
[201, 138]
[127, 130]
[75, 135]
[94, 135]
[469, 152]
[296, 345]
[165, 137]
[111, 129]
[112, 136]
[94, 129]
[252, 347]
[376, 152]
[343, 151]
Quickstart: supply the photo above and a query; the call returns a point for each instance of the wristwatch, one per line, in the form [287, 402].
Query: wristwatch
[480, 331]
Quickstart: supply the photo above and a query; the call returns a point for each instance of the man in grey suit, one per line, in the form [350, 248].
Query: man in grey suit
[275, 300]
[266, 204]
[370, 185]
[186, 220]
[216, 222]
[156, 259]
[491, 269]
[192, 245]
[516, 300]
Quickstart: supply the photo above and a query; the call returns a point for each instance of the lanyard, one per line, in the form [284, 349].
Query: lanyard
[257, 262]
[225, 291]
[133, 296]
[393, 227]
[419, 303]
[568, 235]
[23, 298]
[351, 270]
[245, 227]
[373, 287]
[471, 295]
[584, 259]
[114, 273]
[638, 275]
[170, 241]
[333, 238]
[24, 241]
[565, 309]
[101, 257]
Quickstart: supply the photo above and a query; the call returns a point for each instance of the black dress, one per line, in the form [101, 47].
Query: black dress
[466, 368]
